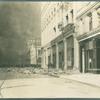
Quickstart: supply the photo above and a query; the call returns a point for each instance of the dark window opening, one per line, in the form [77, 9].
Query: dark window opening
[90, 21]
[72, 14]
[54, 29]
[67, 18]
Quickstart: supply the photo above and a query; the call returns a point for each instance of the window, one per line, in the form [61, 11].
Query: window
[60, 26]
[39, 52]
[54, 11]
[80, 26]
[71, 14]
[82, 21]
[39, 60]
[54, 29]
[67, 18]
[90, 21]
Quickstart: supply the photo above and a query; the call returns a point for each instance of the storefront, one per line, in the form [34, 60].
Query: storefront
[70, 52]
[61, 55]
[54, 55]
[49, 57]
[90, 55]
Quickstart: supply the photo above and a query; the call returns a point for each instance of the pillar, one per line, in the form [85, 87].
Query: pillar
[57, 57]
[46, 57]
[42, 60]
[83, 61]
[76, 54]
[65, 54]
[51, 55]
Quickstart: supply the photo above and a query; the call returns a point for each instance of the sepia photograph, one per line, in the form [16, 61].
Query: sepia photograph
[49, 49]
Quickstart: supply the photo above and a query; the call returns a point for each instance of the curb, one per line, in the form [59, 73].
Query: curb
[82, 82]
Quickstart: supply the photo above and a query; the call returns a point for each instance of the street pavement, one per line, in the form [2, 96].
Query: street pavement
[47, 87]
[86, 78]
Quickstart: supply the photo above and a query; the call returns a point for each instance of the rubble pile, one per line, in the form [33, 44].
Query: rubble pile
[21, 72]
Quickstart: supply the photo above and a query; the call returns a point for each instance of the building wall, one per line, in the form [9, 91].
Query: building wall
[56, 16]
[90, 12]
[88, 22]
[49, 21]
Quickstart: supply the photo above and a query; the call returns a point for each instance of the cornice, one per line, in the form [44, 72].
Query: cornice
[88, 34]
[83, 12]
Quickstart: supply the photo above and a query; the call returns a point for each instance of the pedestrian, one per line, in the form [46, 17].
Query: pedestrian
[90, 62]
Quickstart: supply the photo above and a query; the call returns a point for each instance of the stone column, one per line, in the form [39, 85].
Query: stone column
[43, 59]
[57, 57]
[65, 54]
[83, 61]
[46, 58]
[76, 54]
[51, 55]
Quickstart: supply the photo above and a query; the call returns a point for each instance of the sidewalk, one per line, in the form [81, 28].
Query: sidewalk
[87, 78]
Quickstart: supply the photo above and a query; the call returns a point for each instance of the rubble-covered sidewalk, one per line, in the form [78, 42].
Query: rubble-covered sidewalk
[86, 78]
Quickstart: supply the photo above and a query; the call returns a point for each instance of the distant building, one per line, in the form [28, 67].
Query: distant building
[35, 51]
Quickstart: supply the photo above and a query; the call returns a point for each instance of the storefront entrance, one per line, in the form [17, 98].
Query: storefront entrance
[98, 54]
[90, 56]
[49, 57]
[61, 55]
[70, 53]
[54, 56]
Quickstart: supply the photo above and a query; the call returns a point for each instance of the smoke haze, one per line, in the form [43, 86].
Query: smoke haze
[19, 21]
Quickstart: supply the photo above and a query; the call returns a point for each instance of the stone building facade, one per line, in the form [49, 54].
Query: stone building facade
[58, 36]
[88, 35]
[67, 31]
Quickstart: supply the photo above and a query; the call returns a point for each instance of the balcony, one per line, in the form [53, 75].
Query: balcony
[69, 28]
